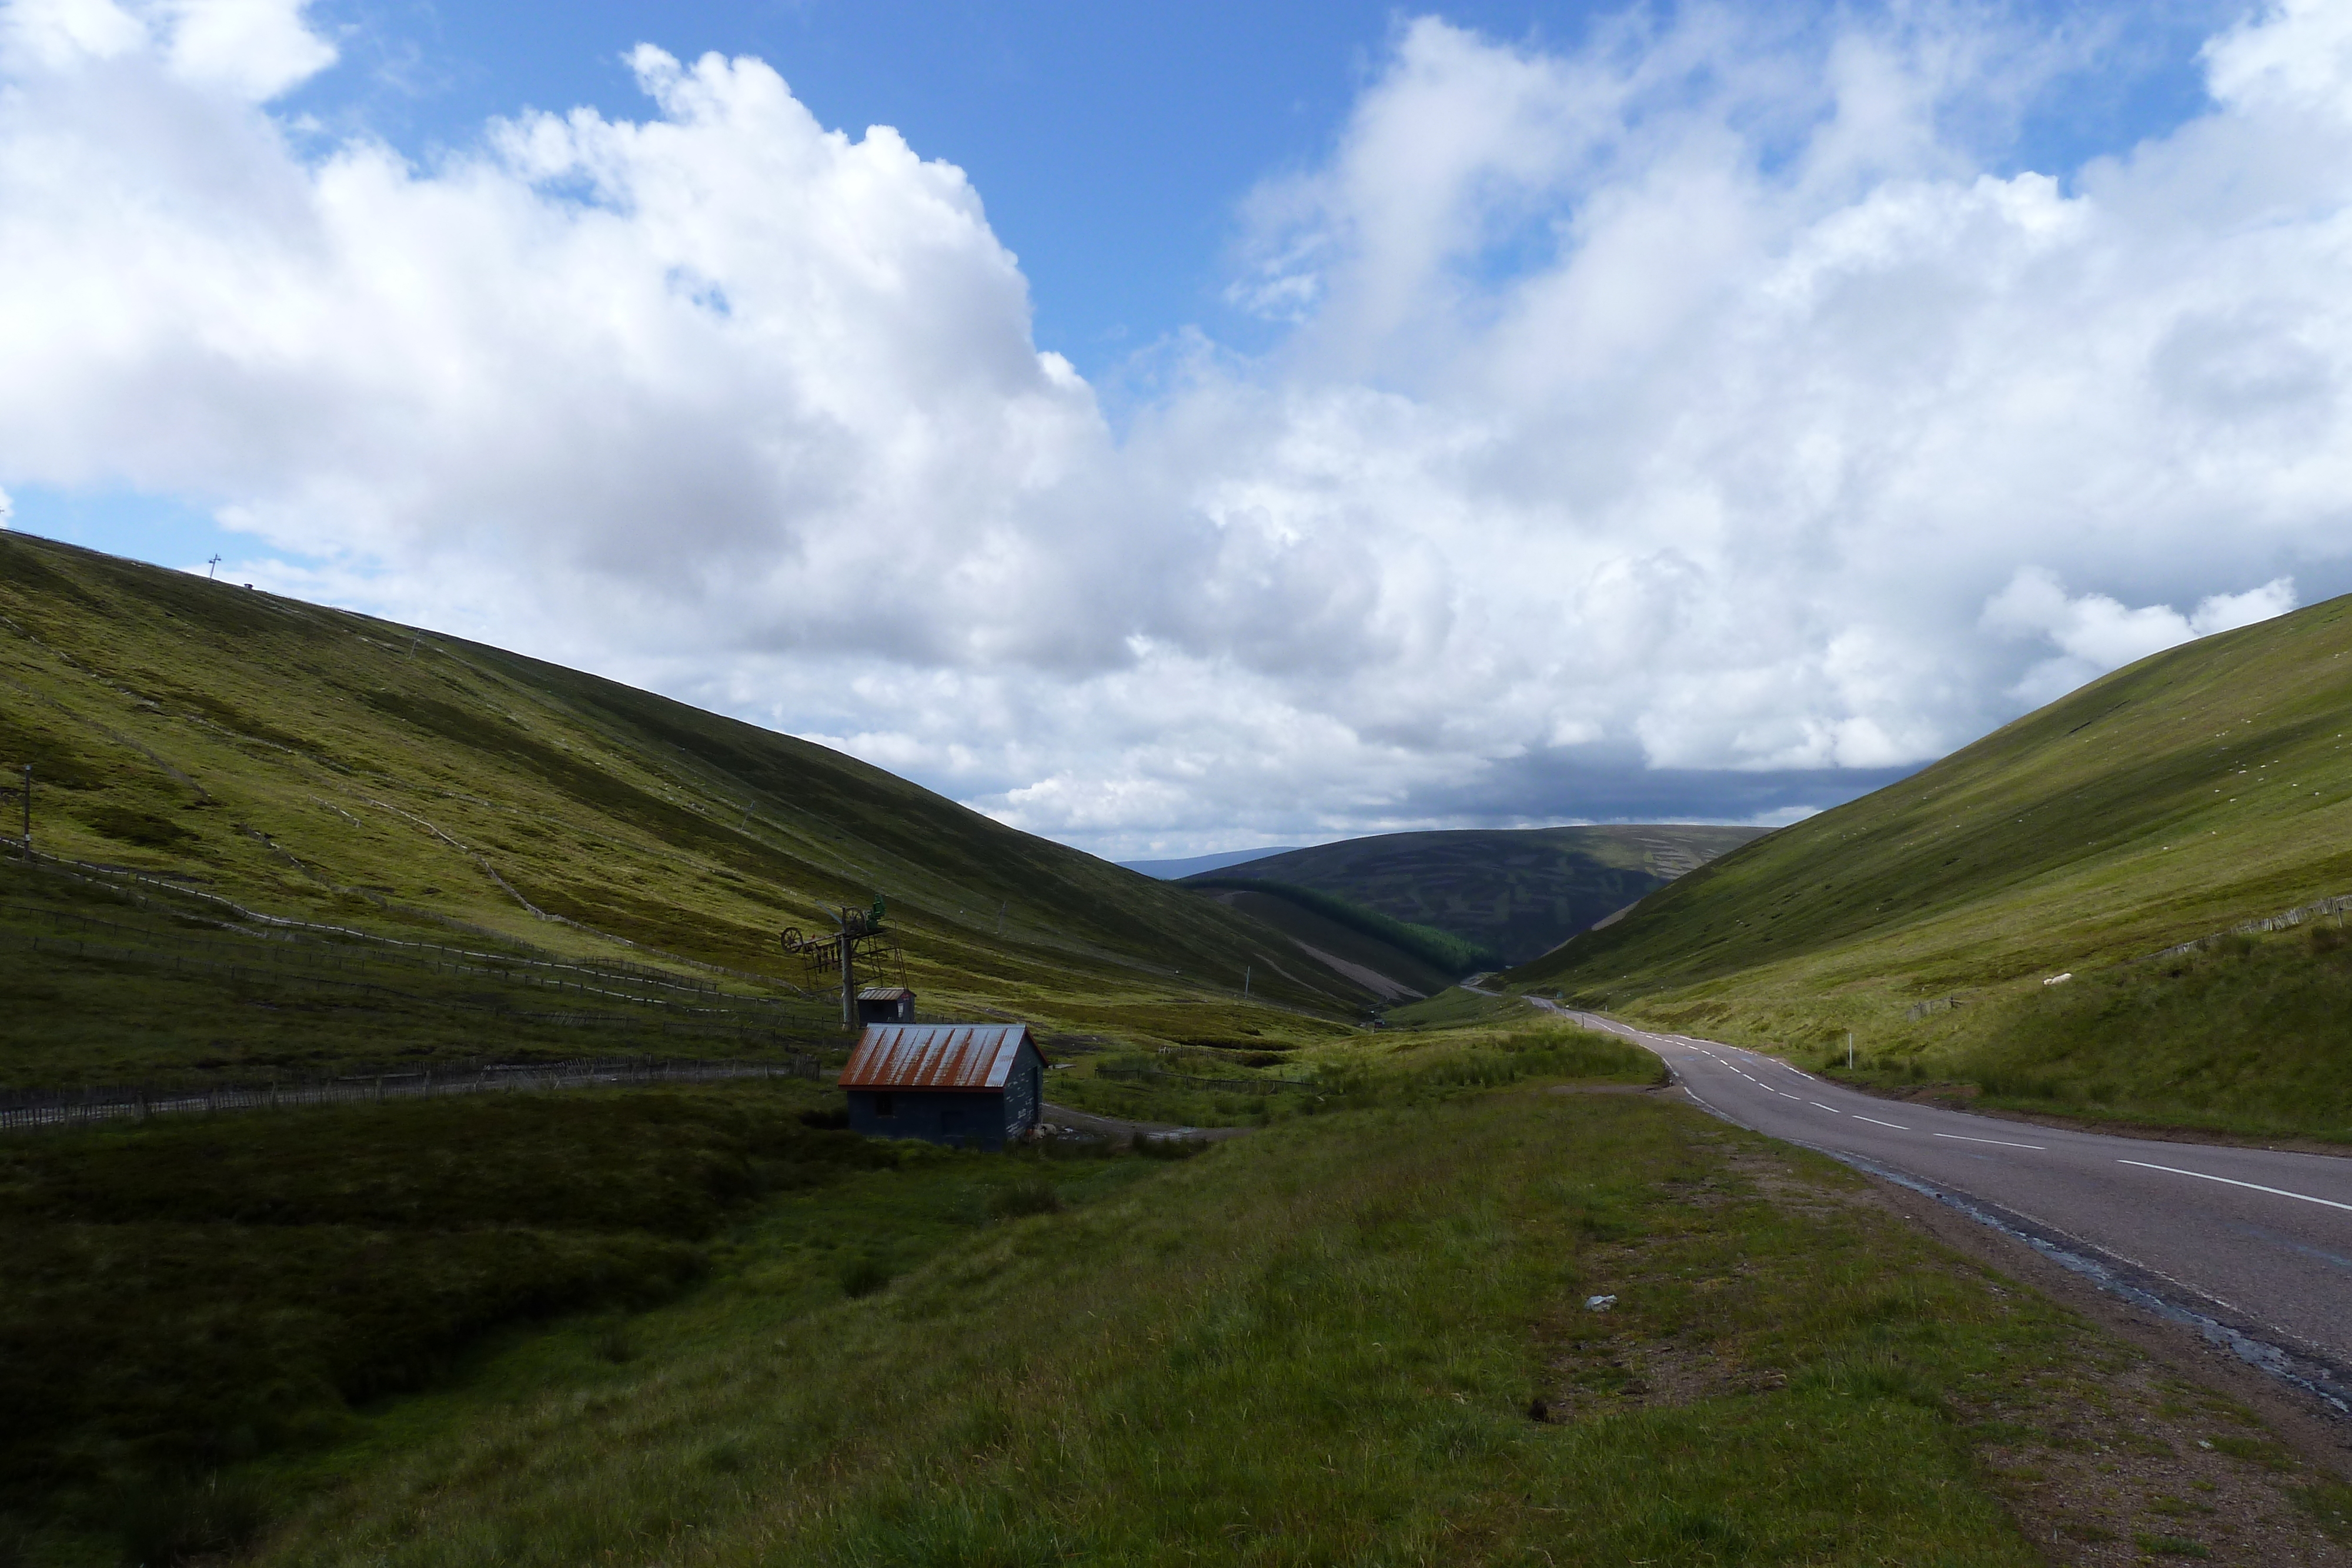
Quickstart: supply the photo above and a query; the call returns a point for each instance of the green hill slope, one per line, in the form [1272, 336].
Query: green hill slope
[2198, 789]
[1519, 891]
[1419, 964]
[326, 766]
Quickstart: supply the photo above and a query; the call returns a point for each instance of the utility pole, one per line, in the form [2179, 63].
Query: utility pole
[848, 974]
[1245, 979]
[212, 567]
[857, 925]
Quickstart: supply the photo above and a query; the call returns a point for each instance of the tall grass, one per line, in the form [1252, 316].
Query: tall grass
[2247, 1035]
[1398, 1068]
[189, 1295]
[1321, 1343]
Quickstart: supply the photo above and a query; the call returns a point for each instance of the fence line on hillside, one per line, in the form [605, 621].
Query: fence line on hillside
[111, 878]
[2337, 906]
[337, 955]
[25, 1110]
[180, 962]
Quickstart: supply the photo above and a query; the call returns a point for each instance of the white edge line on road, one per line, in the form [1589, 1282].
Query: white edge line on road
[1963, 1138]
[1830, 1109]
[1877, 1123]
[2252, 1186]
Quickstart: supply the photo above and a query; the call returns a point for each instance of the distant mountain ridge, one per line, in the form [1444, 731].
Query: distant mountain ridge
[1193, 865]
[1520, 891]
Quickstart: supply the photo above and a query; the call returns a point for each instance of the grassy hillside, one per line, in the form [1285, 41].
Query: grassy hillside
[1425, 948]
[1389, 969]
[1517, 891]
[318, 765]
[2198, 789]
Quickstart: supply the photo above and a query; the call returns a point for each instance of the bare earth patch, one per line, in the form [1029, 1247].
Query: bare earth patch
[2148, 1466]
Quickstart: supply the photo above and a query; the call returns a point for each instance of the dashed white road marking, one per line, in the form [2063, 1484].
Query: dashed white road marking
[2251, 1185]
[1830, 1109]
[1963, 1138]
[1877, 1123]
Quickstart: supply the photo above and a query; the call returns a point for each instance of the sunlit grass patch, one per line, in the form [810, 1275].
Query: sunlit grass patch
[1455, 1008]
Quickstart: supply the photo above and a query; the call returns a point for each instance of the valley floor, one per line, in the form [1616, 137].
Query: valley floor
[1429, 1322]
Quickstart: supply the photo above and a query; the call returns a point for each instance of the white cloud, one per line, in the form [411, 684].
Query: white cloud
[1696, 399]
[2294, 55]
[2095, 633]
[255, 49]
[251, 51]
[2228, 611]
[56, 35]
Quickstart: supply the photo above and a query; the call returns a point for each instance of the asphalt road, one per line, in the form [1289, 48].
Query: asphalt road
[2251, 1247]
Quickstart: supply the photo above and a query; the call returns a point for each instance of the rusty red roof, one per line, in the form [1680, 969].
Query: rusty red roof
[934, 1056]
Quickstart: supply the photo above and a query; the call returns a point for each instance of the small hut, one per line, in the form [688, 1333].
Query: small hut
[885, 1004]
[968, 1086]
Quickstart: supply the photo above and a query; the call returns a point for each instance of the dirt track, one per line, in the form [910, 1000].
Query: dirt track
[1086, 1123]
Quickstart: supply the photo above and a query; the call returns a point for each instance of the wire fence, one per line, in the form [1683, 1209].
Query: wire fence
[30, 1110]
[2337, 906]
[286, 946]
[296, 954]
[272, 975]
[113, 878]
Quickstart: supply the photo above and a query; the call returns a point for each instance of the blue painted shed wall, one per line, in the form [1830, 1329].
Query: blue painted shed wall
[964, 1118]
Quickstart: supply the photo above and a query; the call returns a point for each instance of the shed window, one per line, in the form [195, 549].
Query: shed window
[882, 1105]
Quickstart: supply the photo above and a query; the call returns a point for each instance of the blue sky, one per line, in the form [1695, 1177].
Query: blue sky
[1112, 143]
[1273, 421]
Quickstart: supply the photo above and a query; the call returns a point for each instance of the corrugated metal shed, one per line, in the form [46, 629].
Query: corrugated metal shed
[883, 994]
[935, 1056]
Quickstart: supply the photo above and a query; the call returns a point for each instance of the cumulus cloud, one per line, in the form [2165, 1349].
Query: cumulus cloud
[1696, 405]
[2095, 633]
